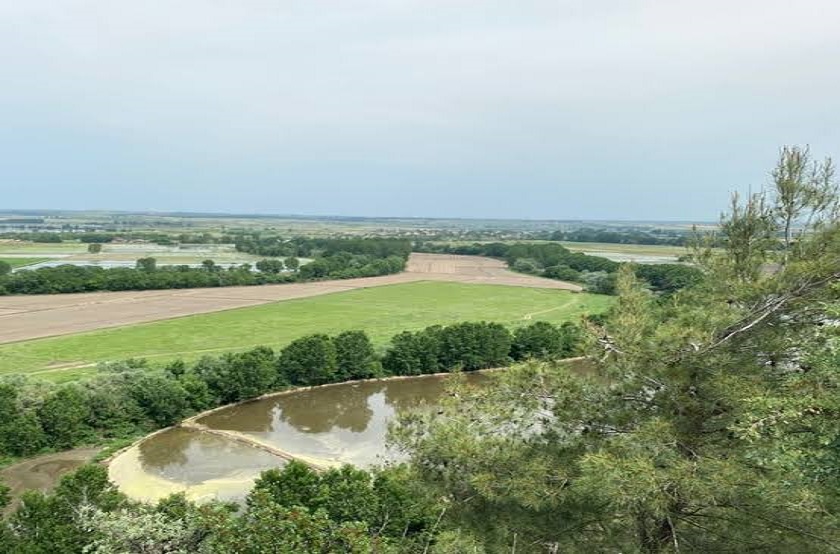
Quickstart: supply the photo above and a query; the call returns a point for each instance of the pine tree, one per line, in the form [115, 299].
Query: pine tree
[711, 426]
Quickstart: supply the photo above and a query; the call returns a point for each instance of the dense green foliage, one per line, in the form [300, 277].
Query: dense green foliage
[74, 278]
[471, 346]
[309, 361]
[711, 424]
[148, 275]
[557, 262]
[355, 356]
[5, 497]
[290, 511]
[349, 266]
[303, 247]
[623, 236]
[127, 398]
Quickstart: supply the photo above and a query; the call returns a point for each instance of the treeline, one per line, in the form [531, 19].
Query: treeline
[73, 278]
[148, 276]
[289, 511]
[262, 244]
[345, 265]
[557, 262]
[626, 236]
[127, 398]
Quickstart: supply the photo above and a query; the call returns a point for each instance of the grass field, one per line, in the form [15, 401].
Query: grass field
[20, 262]
[381, 311]
[62, 248]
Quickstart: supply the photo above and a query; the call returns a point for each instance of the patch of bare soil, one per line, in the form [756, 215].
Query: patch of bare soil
[29, 317]
[44, 472]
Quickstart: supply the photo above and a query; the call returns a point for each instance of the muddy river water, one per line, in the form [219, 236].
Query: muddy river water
[220, 454]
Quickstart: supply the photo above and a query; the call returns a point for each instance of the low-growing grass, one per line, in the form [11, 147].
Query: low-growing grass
[380, 311]
[20, 262]
[42, 247]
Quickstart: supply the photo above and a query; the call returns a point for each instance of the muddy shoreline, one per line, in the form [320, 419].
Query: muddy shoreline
[42, 473]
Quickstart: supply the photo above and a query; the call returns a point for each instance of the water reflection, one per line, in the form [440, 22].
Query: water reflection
[191, 457]
[344, 423]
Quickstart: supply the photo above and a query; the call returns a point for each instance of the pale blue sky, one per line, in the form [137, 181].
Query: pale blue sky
[525, 109]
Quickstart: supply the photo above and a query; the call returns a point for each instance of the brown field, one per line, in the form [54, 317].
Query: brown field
[30, 317]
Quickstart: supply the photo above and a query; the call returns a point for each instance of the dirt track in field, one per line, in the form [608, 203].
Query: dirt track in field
[30, 317]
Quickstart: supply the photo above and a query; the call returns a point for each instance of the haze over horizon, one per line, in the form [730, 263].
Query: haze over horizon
[529, 110]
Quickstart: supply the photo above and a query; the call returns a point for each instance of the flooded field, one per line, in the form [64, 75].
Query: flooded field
[111, 264]
[634, 257]
[324, 426]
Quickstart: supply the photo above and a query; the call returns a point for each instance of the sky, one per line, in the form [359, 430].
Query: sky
[527, 109]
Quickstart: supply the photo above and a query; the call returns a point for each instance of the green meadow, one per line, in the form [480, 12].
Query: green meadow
[380, 311]
[20, 262]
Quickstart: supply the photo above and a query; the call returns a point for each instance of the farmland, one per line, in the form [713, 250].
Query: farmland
[381, 311]
[121, 254]
[29, 317]
[641, 250]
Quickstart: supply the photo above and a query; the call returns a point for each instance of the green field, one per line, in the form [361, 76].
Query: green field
[20, 262]
[42, 248]
[381, 311]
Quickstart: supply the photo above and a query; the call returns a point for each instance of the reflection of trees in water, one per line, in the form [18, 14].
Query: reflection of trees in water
[321, 410]
[165, 449]
[251, 417]
[411, 393]
[426, 391]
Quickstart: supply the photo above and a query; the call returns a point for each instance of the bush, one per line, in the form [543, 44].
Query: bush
[524, 265]
[562, 273]
[599, 282]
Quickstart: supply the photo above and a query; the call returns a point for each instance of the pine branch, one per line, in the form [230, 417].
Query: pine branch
[770, 307]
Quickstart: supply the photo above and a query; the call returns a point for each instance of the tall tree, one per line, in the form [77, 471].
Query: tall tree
[712, 425]
[309, 360]
[146, 264]
[804, 188]
[355, 355]
[65, 415]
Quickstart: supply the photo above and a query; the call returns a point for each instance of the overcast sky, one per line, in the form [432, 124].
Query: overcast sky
[584, 109]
